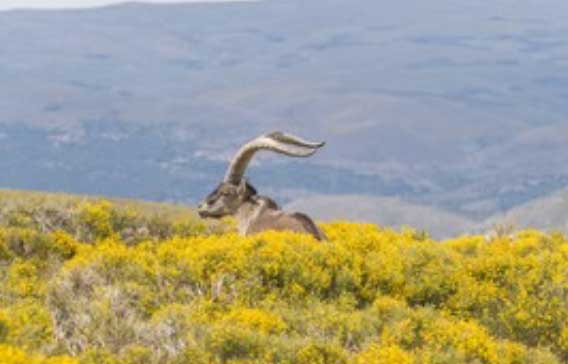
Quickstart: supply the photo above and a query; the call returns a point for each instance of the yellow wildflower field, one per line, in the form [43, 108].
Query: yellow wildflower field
[98, 284]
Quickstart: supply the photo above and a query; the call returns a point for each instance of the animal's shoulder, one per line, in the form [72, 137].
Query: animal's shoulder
[267, 202]
[309, 225]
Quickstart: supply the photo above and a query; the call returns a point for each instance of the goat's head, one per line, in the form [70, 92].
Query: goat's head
[235, 190]
[225, 199]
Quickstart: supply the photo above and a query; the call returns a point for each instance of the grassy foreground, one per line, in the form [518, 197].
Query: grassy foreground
[96, 282]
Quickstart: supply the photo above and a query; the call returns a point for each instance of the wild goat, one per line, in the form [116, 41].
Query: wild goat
[254, 213]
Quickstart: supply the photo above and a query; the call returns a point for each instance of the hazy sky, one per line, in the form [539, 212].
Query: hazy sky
[53, 4]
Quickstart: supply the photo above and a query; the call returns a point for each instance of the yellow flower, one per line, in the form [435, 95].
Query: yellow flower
[390, 354]
[256, 319]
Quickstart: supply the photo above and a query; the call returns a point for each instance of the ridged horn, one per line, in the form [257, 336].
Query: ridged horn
[278, 142]
[294, 140]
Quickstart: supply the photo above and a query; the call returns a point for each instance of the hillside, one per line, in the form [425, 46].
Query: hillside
[458, 106]
[392, 212]
[77, 215]
[91, 281]
[547, 213]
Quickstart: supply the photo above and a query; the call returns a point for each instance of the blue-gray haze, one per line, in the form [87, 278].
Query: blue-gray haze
[460, 106]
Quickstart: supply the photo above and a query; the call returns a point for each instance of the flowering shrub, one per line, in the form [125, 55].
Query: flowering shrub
[181, 292]
[13, 355]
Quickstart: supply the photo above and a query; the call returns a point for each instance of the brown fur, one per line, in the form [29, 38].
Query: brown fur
[268, 218]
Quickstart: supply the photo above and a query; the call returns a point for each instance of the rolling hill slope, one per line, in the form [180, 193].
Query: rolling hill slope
[456, 106]
[548, 213]
[391, 212]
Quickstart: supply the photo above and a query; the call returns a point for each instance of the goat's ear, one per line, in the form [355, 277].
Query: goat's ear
[242, 187]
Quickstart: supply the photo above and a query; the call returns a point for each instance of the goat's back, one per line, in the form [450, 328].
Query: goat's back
[281, 221]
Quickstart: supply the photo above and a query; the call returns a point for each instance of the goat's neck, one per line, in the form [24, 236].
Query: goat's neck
[249, 212]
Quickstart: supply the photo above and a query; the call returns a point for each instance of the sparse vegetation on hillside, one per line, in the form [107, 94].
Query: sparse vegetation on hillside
[91, 281]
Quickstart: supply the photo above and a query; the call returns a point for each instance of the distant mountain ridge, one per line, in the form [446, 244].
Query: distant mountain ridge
[548, 213]
[460, 108]
[385, 211]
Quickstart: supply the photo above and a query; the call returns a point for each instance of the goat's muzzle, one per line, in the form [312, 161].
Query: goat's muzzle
[202, 210]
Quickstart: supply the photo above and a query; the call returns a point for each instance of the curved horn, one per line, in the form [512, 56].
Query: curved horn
[294, 140]
[278, 142]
